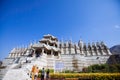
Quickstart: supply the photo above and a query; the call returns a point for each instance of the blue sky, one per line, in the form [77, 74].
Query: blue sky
[25, 21]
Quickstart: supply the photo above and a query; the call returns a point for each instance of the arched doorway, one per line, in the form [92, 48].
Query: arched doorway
[38, 52]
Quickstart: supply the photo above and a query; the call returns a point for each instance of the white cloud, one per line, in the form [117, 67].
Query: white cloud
[117, 26]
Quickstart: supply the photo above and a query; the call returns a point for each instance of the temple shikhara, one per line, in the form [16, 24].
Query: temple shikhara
[52, 53]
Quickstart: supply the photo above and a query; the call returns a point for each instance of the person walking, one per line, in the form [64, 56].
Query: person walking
[47, 74]
[42, 74]
[36, 72]
[32, 72]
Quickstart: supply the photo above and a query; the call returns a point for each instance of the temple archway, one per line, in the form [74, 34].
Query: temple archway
[38, 52]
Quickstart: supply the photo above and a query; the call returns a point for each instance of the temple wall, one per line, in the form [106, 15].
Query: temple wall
[87, 50]
[77, 62]
[75, 56]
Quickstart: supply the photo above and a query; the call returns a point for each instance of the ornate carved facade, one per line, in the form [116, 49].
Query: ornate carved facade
[49, 50]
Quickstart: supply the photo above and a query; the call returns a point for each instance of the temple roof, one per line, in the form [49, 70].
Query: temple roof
[18, 50]
[49, 35]
[45, 40]
[41, 45]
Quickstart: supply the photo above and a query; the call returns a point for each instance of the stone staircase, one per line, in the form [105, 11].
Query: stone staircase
[7, 61]
[17, 71]
[22, 69]
[16, 74]
[40, 62]
[2, 73]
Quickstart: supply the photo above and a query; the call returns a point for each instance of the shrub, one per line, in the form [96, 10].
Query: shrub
[104, 68]
[90, 76]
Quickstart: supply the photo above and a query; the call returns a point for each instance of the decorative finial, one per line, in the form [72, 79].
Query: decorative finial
[70, 39]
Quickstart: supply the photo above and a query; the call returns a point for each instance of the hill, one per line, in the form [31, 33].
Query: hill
[115, 57]
[115, 49]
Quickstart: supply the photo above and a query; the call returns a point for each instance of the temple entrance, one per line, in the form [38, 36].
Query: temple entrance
[38, 52]
[49, 52]
[55, 53]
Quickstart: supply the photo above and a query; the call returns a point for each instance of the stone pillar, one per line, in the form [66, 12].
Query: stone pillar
[54, 44]
[17, 55]
[64, 48]
[72, 49]
[34, 53]
[42, 50]
[75, 47]
[59, 54]
[88, 54]
[67, 49]
[50, 38]
[51, 52]
[62, 52]
[47, 43]
[12, 55]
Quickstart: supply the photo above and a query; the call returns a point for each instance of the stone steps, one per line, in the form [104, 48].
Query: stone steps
[16, 74]
[2, 73]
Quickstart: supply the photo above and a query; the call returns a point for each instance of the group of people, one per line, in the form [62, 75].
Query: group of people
[43, 74]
